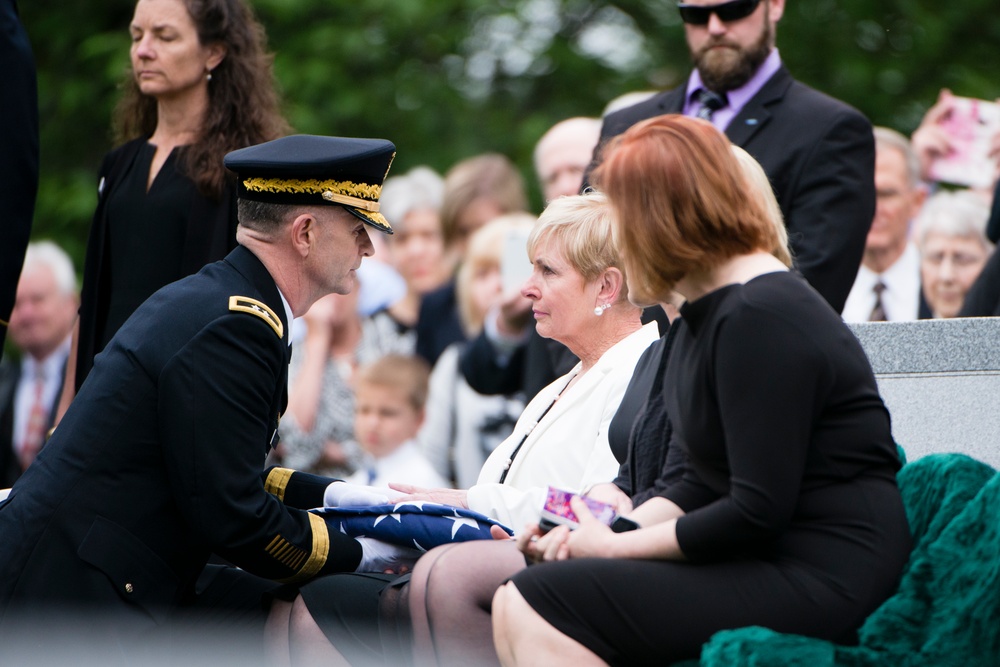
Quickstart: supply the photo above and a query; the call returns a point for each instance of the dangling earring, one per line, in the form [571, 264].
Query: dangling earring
[208, 75]
[601, 308]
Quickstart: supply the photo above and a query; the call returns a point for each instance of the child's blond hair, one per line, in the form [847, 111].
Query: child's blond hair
[407, 373]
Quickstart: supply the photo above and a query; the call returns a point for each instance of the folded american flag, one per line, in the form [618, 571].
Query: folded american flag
[418, 524]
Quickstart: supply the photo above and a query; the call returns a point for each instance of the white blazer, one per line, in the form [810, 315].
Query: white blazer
[569, 448]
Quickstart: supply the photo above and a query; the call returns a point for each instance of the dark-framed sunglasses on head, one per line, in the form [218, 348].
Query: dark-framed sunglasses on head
[726, 11]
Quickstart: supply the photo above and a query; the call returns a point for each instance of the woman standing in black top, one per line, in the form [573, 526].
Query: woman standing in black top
[787, 514]
[200, 85]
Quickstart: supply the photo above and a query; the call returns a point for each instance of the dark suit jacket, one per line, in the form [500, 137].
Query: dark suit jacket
[983, 298]
[993, 224]
[924, 308]
[438, 324]
[19, 151]
[531, 367]
[10, 465]
[819, 154]
[158, 463]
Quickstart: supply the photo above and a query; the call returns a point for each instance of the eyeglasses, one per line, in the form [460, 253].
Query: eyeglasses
[726, 11]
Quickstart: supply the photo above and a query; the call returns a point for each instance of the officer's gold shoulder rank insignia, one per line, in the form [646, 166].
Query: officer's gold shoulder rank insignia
[245, 304]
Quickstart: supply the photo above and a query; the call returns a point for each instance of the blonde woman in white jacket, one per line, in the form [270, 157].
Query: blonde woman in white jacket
[578, 297]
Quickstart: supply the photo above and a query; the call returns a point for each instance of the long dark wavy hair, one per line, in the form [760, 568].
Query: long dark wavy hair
[243, 103]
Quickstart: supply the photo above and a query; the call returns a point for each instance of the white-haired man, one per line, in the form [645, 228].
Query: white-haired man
[40, 328]
[887, 287]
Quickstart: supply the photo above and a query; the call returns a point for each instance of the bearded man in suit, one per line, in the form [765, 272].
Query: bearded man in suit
[817, 151]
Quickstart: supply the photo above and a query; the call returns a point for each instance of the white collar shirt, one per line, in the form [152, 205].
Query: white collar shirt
[901, 297]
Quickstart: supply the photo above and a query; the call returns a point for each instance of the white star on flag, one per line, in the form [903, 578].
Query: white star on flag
[419, 504]
[385, 516]
[460, 521]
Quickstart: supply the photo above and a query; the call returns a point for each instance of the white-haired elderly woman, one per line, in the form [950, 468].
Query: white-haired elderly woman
[412, 203]
[579, 298]
[951, 236]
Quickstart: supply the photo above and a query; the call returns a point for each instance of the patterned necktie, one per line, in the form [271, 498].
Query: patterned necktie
[878, 312]
[34, 432]
[710, 103]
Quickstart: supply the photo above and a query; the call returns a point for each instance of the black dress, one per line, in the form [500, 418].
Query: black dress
[793, 518]
[142, 240]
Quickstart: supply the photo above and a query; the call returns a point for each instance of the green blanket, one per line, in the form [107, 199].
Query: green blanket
[946, 610]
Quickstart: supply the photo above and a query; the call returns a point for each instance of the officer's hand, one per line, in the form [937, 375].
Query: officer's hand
[379, 556]
[342, 494]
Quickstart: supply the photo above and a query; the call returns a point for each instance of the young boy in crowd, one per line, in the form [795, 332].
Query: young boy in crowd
[389, 399]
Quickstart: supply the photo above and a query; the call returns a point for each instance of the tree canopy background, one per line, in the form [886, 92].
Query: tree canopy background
[446, 79]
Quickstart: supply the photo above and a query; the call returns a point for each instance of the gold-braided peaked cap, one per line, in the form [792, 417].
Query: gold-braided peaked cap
[309, 169]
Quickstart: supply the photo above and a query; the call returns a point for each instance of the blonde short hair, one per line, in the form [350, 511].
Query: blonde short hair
[406, 373]
[760, 187]
[582, 226]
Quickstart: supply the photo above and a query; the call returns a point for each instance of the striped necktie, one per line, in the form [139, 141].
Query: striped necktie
[34, 432]
[710, 103]
[878, 311]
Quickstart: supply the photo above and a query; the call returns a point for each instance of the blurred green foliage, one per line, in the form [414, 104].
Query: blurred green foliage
[445, 79]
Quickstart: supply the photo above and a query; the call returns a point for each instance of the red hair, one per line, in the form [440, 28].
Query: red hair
[681, 202]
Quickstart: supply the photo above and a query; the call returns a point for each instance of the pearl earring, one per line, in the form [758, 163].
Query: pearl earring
[601, 308]
[208, 76]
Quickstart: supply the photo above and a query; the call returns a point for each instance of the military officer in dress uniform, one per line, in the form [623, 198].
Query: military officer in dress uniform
[158, 462]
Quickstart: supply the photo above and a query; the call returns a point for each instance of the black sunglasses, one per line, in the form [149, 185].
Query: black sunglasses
[726, 11]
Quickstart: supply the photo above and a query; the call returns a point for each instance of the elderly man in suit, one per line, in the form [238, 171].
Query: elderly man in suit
[40, 328]
[158, 463]
[888, 286]
[817, 152]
